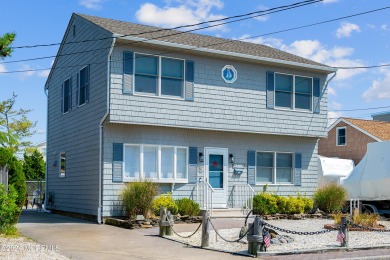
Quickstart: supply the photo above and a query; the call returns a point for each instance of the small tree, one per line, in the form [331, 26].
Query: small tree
[34, 166]
[14, 125]
[15, 174]
[5, 44]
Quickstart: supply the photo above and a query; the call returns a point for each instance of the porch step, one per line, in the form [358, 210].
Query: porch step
[229, 213]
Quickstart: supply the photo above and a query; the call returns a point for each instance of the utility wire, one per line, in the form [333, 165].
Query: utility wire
[252, 14]
[268, 11]
[224, 42]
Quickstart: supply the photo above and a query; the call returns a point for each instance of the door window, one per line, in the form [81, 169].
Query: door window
[216, 171]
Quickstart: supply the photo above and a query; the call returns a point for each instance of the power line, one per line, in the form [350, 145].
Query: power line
[224, 42]
[268, 11]
[252, 14]
[359, 109]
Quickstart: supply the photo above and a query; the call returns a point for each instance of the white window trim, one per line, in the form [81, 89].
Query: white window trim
[337, 135]
[274, 170]
[293, 94]
[79, 87]
[159, 179]
[59, 166]
[63, 95]
[158, 95]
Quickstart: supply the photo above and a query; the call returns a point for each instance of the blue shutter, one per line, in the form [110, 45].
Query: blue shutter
[298, 170]
[316, 95]
[251, 167]
[190, 75]
[128, 61]
[70, 94]
[88, 80]
[117, 162]
[270, 89]
[77, 89]
[62, 98]
[193, 165]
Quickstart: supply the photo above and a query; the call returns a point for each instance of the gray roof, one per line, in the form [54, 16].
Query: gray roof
[198, 40]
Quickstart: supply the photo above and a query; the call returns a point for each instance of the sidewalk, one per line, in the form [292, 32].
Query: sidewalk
[80, 239]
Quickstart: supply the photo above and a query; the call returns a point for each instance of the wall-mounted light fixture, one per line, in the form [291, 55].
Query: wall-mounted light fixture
[201, 157]
[231, 158]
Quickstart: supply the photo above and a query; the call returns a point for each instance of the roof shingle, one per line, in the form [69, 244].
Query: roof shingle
[379, 129]
[196, 40]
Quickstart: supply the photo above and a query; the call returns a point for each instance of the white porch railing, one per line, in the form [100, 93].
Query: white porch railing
[243, 197]
[204, 196]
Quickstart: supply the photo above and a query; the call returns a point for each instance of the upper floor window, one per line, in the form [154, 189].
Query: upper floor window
[341, 136]
[160, 76]
[293, 92]
[66, 96]
[272, 167]
[83, 86]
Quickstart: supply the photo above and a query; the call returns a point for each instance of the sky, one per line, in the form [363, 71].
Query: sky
[357, 41]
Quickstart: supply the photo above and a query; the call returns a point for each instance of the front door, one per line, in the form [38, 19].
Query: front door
[216, 165]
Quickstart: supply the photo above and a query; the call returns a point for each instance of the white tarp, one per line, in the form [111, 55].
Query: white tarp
[332, 169]
[370, 180]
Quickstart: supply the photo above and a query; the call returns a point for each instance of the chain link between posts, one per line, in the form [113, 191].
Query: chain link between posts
[368, 228]
[227, 240]
[304, 233]
[171, 226]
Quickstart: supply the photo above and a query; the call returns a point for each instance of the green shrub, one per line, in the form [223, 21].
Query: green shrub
[330, 198]
[265, 203]
[137, 197]
[9, 210]
[188, 207]
[16, 176]
[295, 205]
[164, 200]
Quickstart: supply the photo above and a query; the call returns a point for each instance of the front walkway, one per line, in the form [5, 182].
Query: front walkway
[80, 239]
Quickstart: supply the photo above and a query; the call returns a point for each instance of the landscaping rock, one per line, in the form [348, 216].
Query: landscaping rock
[140, 217]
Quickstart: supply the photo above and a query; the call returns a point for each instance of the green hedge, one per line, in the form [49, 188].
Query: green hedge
[330, 198]
[9, 210]
[188, 207]
[266, 203]
[164, 200]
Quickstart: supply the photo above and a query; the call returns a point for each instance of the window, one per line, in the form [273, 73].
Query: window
[156, 162]
[83, 86]
[159, 76]
[341, 136]
[62, 168]
[67, 96]
[272, 167]
[293, 92]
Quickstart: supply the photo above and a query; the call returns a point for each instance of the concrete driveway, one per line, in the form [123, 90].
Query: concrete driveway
[80, 239]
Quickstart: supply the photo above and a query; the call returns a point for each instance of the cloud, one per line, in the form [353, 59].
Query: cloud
[3, 68]
[333, 116]
[32, 71]
[314, 50]
[329, 1]
[91, 4]
[380, 88]
[183, 13]
[346, 30]
[261, 17]
[384, 27]
[332, 91]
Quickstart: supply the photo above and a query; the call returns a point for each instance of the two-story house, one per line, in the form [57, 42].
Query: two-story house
[129, 102]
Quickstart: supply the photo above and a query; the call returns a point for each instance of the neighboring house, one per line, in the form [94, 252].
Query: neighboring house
[129, 102]
[383, 116]
[348, 138]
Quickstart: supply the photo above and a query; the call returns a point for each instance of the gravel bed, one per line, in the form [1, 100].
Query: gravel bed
[23, 248]
[301, 242]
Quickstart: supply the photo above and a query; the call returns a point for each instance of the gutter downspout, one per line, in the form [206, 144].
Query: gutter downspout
[100, 208]
[46, 90]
